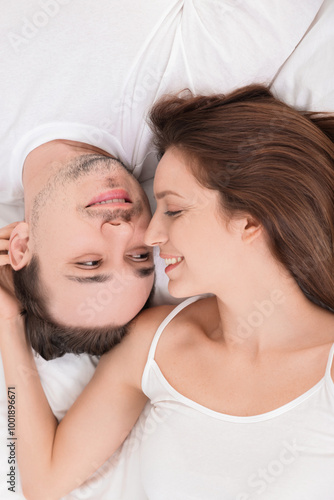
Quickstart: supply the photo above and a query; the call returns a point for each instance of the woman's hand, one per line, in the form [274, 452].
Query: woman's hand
[9, 305]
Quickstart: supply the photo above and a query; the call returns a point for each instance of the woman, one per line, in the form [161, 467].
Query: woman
[241, 382]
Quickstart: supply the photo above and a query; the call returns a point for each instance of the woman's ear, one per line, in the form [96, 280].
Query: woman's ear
[252, 229]
[19, 252]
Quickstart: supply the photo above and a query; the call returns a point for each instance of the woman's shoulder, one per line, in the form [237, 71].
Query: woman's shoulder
[129, 357]
[135, 346]
[148, 321]
[133, 351]
[194, 322]
[144, 327]
[195, 310]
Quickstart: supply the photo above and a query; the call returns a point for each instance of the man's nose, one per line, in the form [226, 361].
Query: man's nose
[118, 226]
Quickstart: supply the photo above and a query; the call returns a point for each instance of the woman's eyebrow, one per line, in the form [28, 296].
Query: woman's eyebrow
[162, 194]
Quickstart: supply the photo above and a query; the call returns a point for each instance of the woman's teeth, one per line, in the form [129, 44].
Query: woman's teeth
[173, 261]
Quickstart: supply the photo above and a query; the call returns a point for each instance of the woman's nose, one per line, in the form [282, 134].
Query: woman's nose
[155, 234]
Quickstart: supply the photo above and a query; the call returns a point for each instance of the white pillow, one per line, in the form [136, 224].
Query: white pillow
[306, 80]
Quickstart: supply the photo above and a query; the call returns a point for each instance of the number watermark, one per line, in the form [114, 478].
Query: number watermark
[11, 445]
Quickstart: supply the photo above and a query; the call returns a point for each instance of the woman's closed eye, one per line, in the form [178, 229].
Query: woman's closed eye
[172, 213]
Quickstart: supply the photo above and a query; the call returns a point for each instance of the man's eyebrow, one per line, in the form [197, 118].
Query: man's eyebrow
[97, 278]
[162, 194]
[142, 272]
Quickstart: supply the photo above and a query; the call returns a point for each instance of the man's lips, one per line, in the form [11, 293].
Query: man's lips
[109, 196]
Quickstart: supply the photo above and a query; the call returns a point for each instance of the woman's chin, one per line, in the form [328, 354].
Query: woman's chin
[181, 291]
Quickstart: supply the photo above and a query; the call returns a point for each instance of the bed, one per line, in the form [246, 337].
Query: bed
[287, 45]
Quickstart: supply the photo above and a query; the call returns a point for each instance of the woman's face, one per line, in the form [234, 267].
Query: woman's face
[200, 245]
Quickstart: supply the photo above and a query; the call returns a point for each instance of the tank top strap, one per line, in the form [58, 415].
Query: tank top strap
[330, 362]
[167, 320]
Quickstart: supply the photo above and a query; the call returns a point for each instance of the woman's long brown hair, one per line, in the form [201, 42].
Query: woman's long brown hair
[267, 160]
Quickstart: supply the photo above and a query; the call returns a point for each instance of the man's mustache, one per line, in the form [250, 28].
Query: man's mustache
[106, 214]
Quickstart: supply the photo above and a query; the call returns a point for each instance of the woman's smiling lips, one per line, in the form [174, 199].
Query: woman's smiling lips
[172, 261]
[115, 197]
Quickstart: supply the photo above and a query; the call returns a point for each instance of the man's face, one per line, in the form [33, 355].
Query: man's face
[88, 228]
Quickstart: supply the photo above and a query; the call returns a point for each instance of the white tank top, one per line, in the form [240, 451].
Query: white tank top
[191, 452]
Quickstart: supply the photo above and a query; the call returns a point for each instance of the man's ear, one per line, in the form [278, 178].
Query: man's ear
[19, 252]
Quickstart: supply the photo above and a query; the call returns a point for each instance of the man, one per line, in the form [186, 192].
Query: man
[82, 270]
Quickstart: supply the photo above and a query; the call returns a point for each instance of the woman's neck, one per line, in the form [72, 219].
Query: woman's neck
[269, 311]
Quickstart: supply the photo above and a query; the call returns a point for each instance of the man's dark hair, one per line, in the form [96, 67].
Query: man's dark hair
[49, 338]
